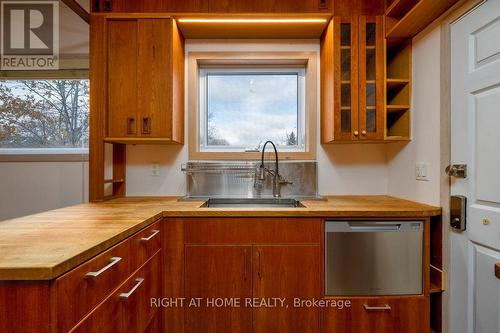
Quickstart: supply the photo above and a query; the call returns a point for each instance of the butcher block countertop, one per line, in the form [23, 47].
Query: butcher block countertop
[46, 245]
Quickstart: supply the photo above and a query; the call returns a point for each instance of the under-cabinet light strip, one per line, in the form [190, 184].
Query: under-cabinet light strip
[209, 20]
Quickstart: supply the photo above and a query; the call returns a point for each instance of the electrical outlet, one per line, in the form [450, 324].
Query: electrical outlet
[155, 169]
[422, 171]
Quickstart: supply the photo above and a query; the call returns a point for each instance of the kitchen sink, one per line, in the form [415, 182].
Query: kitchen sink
[252, 202]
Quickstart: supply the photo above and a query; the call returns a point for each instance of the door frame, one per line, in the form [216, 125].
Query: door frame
[452, 15]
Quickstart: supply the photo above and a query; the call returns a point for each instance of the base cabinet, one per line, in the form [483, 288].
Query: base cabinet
[214, 273]
[290, 272]
[376, 315]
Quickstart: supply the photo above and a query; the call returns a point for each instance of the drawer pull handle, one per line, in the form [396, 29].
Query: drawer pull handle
[386, 307]
[145, 239]
[127, 295]
[112, 262]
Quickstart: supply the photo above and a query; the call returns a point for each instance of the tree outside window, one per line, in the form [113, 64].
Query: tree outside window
[44, 113]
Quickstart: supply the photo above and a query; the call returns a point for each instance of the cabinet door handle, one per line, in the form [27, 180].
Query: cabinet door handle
[322, 4]
[130, 126]
[356, 133]
[145, 239]
[112, 262]
[127, 295]
[146, 125]
[363, 132]
[386, 307]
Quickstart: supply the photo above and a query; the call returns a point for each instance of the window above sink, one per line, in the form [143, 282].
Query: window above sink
[241, 100]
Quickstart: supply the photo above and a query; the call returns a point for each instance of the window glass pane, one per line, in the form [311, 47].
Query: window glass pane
[345, 63]
[345, 120]
[345, 34]
[370, 64]
[345, 94]
[246, 109]
[44, 113]
[371, 29]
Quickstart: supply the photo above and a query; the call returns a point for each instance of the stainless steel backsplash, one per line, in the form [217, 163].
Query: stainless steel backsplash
[236, 179]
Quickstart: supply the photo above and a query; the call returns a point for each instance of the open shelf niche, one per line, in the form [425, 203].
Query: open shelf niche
[398, 90]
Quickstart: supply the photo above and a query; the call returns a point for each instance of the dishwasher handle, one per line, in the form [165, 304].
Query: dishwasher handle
[368, 227]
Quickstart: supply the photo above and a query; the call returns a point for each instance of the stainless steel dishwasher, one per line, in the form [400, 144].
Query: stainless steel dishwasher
[373, 257]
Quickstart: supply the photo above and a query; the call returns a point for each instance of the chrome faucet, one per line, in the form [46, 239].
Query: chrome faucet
[278, 180]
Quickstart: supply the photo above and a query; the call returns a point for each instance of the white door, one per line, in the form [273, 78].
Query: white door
[475, 137]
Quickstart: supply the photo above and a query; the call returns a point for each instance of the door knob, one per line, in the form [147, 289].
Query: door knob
[457, 170]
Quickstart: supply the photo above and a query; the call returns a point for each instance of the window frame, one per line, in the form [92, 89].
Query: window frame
[205, 71]
[78, 71]
[254, 62]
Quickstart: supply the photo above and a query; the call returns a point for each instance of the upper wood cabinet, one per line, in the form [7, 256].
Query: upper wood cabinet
[215, 6]
[352, 79]
[145, 80]
[269, 6]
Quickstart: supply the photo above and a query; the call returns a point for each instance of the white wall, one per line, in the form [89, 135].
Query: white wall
[425, 145]
[342, 169]
[32, 187]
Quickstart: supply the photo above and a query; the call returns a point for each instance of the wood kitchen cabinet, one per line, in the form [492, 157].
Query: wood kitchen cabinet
[287, 271]
[352, 79]
[145, 75]
[110, 292]
[252, 258]
[405, 314]
[218, 272]
[245, 272]
[214, 6]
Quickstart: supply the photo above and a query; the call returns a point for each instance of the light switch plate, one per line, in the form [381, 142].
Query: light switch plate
[155, 169]
[422, 171]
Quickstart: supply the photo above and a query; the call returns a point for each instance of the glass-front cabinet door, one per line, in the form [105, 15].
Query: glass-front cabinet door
[371, 78]
[346, 78]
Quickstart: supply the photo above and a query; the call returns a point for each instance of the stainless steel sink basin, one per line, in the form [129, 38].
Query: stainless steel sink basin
[252, 202]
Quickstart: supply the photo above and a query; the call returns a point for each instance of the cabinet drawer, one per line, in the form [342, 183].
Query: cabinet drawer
[373, 315]
[128, 309]
[80, 290]
[136, 293]
[144, 245]
[253, 230]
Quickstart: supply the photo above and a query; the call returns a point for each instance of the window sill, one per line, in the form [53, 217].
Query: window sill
[44, 154]
[253, 156]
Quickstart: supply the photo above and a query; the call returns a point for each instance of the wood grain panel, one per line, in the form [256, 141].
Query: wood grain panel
[89, 291]
[406, 315]
[122, 78]
[218, 272]
[153, 79]
[98, 88]
[269, 6]
[25, 307]
[327, 83]
[137, 310]
[173, 271]
[187, 6]
[107, 317]
[177, 83]
[142, 250]
[252, 230]
[287, 272]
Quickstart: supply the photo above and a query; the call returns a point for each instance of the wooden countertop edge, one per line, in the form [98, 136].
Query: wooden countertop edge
[497, 271]
[51, 273]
